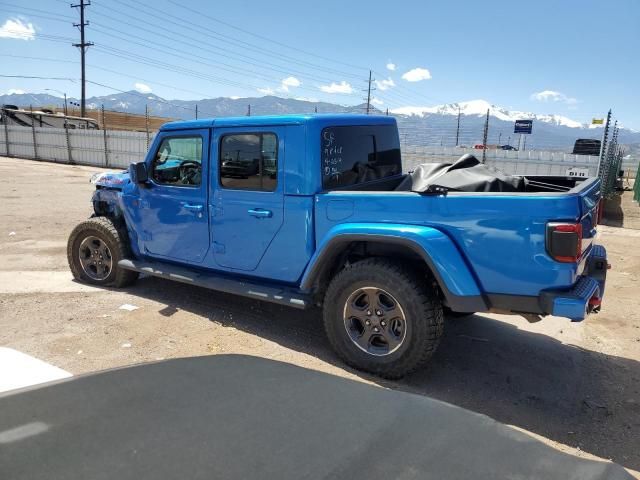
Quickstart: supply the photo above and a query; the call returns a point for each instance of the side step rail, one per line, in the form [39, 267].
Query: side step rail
[274, 294]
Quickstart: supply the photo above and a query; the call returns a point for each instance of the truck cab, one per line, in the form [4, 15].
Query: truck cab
[313, 210]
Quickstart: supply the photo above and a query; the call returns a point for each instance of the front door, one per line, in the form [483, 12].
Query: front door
[247, 199]
[173, 206]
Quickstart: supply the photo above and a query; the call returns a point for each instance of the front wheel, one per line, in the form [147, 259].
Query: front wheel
[382, 318]
[93, 251]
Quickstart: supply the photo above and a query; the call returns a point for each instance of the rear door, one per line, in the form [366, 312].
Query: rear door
[247, 199]
[173, 207]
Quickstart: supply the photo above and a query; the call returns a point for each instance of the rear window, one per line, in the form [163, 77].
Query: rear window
[357, 154]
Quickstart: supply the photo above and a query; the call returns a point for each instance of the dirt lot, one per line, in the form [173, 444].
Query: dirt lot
[577, 384]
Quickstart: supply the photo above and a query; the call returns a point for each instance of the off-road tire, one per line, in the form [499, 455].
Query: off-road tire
[417, 298]
[115, 238]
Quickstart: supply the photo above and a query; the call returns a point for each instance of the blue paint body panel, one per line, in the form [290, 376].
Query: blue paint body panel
[440, 249]
[480, 244]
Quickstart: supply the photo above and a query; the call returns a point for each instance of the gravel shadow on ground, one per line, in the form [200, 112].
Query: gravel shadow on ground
[533, 381]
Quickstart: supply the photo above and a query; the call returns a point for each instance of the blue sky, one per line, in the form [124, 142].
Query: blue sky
[573, 58]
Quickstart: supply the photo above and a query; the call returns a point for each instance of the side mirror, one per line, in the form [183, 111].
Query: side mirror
[138, 172]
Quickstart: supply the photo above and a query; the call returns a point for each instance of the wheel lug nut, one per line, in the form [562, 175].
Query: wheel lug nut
[378, 312]
[368, 312]
[383, 323]
[376, 329]
[367, 322]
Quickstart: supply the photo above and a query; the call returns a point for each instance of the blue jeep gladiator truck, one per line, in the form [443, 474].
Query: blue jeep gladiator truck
[306, 211]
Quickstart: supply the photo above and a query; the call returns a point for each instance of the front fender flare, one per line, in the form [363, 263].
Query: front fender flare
[456, 280]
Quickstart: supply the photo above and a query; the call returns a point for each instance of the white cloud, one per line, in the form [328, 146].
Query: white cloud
[267, 91]
[289, 82]
[417, 75]
[342, 87]
[142, 87]
[234, 97]
[553, 96]
[385, 84]
[15, 91]
[16, 28]
[391, 66]
[377, 101]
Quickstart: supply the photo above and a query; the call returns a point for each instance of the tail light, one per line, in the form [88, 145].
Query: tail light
[564, 241]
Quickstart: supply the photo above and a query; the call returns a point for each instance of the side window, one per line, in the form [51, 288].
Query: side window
[352, 155]
[178, 162]
[249, 161]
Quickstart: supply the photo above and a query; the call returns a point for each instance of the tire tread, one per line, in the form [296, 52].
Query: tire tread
[427, 306]
[118, 235]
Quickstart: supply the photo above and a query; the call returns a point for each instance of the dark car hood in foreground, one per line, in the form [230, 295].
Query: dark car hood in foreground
[237, 417]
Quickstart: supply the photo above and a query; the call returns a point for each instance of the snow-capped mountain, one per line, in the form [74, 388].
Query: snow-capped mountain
[480, 107]
[430, 125]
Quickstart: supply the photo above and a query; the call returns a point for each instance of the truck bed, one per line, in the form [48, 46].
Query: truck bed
[497, 233]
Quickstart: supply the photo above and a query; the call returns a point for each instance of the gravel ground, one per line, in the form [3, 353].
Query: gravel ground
[575, 385]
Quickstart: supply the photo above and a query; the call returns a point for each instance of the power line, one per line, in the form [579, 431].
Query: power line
[232, 68]
[199, 42]
[65, 17]
[235, 27]
[39, 78]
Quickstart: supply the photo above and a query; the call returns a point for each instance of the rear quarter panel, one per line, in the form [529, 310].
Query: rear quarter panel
[502, 236]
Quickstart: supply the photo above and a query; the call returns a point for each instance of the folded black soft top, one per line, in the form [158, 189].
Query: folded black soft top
[466, 174]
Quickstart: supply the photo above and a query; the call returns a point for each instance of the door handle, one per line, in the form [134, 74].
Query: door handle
[192, 207]
[260, 213]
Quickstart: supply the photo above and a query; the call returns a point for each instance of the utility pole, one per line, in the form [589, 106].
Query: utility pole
[458, 128]
[83, 45]
[499, 137]
[249, 110]
[484, 138]
[196, 111]
[369, 93]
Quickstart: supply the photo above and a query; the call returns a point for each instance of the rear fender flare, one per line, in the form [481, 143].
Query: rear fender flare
[441, 255]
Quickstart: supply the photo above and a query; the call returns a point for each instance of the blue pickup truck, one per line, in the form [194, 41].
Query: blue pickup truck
[307, 211]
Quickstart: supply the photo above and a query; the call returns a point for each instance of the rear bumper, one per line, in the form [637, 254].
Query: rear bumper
[586, 294]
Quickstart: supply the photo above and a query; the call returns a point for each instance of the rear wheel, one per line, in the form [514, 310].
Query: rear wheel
[93, 251]
[382, 318]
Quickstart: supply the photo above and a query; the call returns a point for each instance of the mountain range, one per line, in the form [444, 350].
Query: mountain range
[429, 125]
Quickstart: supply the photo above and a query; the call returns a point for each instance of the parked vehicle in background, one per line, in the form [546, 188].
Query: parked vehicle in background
[13, 115]
[587, 146]
[480, 146]
[508, 147]
[329, 219]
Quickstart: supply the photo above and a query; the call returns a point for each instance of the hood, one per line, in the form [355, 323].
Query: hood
[115, 180]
